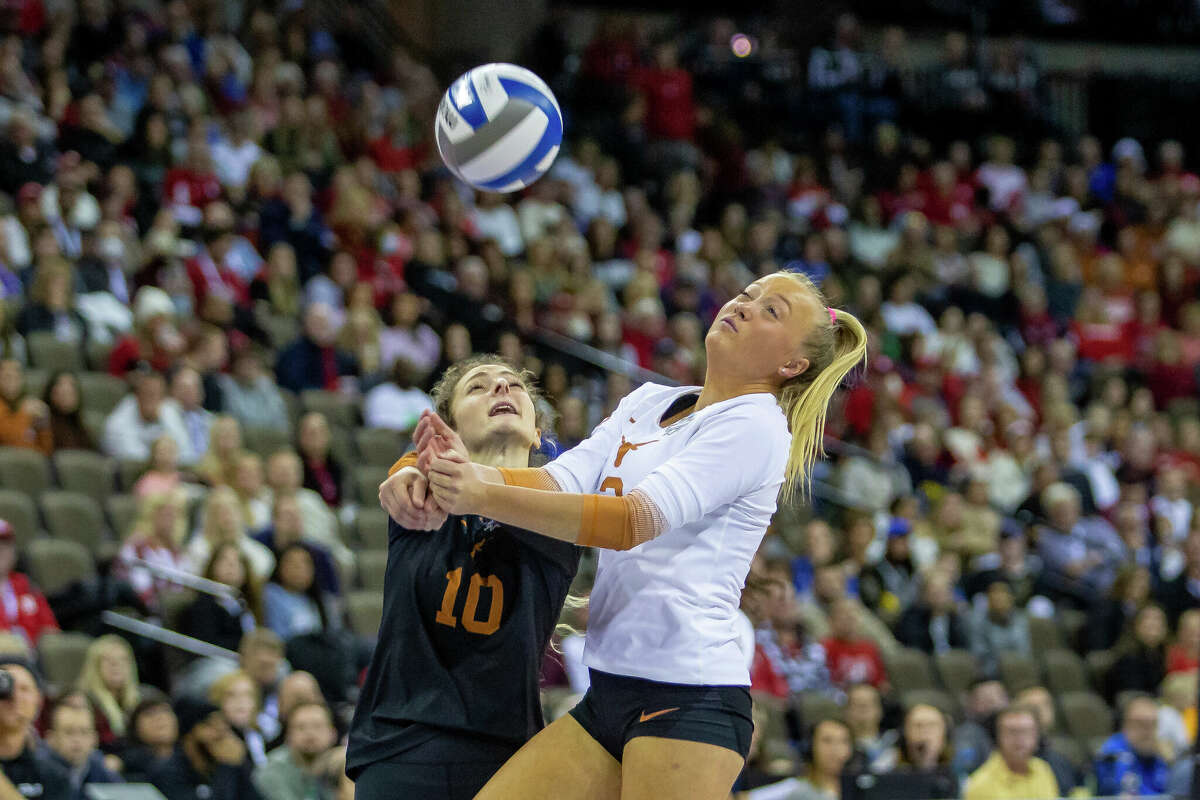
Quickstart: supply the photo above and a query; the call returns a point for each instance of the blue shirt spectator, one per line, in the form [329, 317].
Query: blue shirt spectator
[1129, 763]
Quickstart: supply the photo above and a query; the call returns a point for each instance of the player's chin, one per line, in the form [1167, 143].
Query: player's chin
[510, 425]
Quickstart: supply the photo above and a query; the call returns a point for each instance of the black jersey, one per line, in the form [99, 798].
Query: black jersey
[468, 611]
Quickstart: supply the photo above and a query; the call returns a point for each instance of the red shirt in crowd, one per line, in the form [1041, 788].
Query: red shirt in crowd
[855, 661]
[1178, 660]
[185, 187]
[24, 610]
[1103, 341]
[764, 677]
[209, 277]
[670, 110]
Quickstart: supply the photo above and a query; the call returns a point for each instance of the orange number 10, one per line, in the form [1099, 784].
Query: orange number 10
[445, 615]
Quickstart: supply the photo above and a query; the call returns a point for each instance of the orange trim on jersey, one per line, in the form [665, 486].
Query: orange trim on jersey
[606, 522]
[406, 460]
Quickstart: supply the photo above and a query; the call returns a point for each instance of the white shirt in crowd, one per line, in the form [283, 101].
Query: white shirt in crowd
[389, 406]
[129, 437]
[667, 609]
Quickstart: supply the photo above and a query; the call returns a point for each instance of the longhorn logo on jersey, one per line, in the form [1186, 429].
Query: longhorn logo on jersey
[627, 447]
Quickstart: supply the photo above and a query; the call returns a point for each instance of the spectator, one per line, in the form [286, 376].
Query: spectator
[926, 747]
[890, 586]
[999, 627]
[851, 658]
[221, 269]
[1129, 761]
[294, 220]
[285, 475]
[153, 733]
[249, 393]
[155, 339]
[157, 538]
[286, 529]
[223, 620]
[187, 390]
[51, 307]
[64, 400]
[260, 655]
[224, 524]
[1177, 713]
[786, 660]
[1013, 771]
[22, 762]
[295, 690]
[1012, 563]
[236, 695]
[24, 420]
[209, 762]
[293, 603]
[1183, 591]
[322, 472]
[26, 612]
[1141, 659]
[163, 475]
[1081, 553]
[1110, 618]
[312, 362]
[1066, 773]
[830, 745]
[110, 681]
[276, 289]
[933, 624]
[223, 448]
[1184, 653]
[251, 492]
[495, 219]
[300, 769]
[396, 404]
[864, 715]
[973, 738]
[72, 740]
[409, 337]
[141, 418]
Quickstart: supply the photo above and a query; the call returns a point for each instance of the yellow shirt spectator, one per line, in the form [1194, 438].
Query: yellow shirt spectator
[995, 781]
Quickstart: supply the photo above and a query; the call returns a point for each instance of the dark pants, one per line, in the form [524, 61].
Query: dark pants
[389, 780]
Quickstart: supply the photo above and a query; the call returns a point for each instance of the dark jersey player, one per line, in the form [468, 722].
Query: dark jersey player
[452, 690]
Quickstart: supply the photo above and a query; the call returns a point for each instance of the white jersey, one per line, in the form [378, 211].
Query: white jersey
[666, 610]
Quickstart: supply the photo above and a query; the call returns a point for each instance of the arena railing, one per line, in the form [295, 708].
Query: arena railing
[162, 635]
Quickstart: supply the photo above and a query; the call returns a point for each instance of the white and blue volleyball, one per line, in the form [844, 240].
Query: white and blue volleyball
[499, 127]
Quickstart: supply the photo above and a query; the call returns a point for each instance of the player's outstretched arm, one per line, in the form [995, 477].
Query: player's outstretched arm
[591, 520]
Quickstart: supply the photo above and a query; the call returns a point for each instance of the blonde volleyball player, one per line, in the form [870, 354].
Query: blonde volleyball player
[677, 486]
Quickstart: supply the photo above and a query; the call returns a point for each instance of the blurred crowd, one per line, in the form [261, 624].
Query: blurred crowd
[227, 249]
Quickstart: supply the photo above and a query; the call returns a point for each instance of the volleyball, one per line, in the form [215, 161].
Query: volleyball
[499, 127]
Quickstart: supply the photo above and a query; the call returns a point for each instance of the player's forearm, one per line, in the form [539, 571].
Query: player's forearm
[553, 514]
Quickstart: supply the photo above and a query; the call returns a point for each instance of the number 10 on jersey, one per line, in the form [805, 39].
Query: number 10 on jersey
[470, 620]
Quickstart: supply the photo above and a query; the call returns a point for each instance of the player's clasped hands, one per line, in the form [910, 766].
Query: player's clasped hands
[406, 495]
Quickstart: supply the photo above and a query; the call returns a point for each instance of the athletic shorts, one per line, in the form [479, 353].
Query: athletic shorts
[449, 767]
[617, 708]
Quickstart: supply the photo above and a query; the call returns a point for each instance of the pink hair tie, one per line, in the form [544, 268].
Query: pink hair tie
[832, 316]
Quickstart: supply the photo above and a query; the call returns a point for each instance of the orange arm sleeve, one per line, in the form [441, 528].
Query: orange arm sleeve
[406, 460]
[618, 523]
[534, 478]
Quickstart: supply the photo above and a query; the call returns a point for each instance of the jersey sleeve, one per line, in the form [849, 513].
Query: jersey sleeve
[577, 471]
[729, 457]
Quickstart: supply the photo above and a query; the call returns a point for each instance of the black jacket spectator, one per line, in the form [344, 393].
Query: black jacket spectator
[916, 629]
[177, 779]
[209, 620]
[1141, 669]
[1178, 595]
[305, 365]
[41, 772]
[308, 237]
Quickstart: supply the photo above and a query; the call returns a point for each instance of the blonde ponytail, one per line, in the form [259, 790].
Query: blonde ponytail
[836, 346]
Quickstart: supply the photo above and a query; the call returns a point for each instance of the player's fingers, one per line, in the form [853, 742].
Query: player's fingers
[440, 426]
[418, 491]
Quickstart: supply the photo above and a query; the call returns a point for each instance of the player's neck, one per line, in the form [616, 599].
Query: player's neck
[507, 454]
[715, 390]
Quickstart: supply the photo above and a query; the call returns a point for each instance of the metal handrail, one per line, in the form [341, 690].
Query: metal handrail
[162, 635]
[186, 579]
